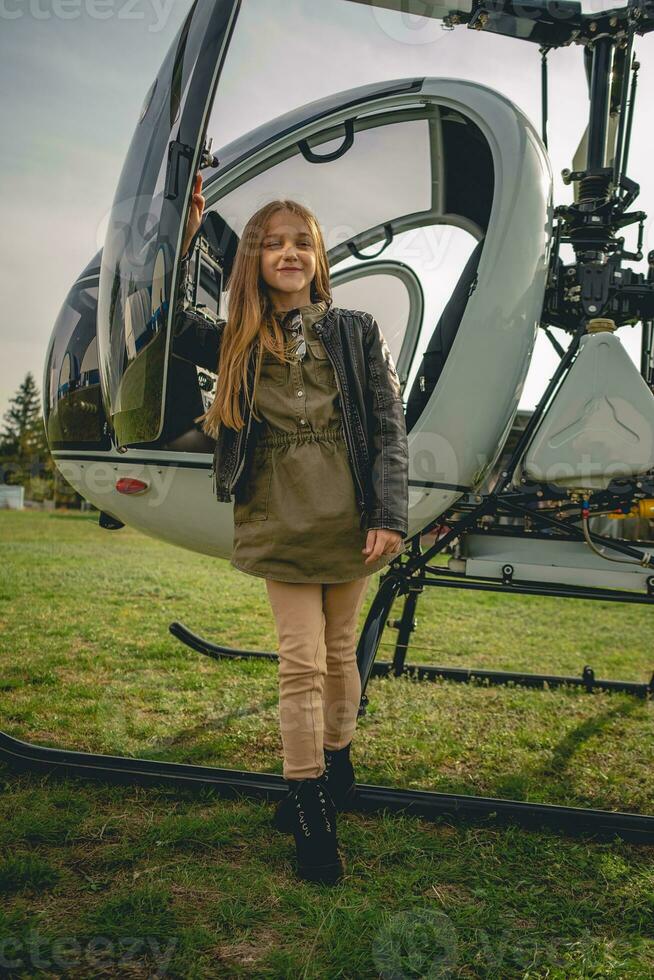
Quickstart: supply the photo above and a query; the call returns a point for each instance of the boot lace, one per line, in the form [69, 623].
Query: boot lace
[301, 815]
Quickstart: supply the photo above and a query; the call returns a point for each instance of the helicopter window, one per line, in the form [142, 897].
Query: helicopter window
[383, 295]
[468, 171]
[74, 414]
[386, 172]
[208, 291]
[441, 340]
[391, 290]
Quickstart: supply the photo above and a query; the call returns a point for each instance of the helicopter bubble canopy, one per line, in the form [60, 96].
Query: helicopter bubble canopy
[376, 162]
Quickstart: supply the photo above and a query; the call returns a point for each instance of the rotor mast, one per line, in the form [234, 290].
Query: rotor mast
[595, 285]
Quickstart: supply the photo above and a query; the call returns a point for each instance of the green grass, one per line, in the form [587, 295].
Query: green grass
[117, 881]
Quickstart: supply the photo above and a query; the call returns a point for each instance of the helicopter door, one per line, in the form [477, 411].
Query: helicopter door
[145, 228]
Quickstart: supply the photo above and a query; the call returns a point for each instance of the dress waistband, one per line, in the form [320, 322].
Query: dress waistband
[329, 434]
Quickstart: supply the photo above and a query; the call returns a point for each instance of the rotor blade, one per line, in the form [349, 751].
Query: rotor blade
[421, 8]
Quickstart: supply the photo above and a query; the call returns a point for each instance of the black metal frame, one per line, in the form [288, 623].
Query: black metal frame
[435, 576]
[589, 226]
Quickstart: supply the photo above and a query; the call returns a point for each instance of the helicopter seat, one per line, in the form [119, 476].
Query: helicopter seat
[440, 344]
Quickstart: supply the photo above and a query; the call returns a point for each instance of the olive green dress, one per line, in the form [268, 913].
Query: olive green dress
[295, 512]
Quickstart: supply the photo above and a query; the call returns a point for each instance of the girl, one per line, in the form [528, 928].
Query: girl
[298, 492]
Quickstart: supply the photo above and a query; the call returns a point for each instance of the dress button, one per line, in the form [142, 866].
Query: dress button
[300, 393]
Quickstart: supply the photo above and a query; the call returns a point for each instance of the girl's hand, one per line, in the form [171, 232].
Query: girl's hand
[194, 219]
[381, 541]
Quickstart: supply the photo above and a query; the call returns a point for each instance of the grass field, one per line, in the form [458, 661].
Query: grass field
[101, 881]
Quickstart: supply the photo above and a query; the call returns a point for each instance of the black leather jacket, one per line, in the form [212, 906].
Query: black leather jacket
[371, 406]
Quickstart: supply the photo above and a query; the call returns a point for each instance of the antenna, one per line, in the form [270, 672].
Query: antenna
[544, 50]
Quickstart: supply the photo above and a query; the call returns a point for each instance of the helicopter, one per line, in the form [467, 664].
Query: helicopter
[378, 162]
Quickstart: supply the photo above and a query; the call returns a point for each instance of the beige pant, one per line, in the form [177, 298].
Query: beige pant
[319, 683]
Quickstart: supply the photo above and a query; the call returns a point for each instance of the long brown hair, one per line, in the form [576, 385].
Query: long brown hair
[251, 321]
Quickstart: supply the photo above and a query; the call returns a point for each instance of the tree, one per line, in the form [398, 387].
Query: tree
[23, 409]
[24, 450]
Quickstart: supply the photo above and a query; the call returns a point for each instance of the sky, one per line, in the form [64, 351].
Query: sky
[74, 74]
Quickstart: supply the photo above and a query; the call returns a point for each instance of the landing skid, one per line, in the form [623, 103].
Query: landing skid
[233, 783]
[430, 672]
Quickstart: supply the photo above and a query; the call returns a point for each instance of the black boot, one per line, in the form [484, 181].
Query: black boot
[314, 829]
[339, 779]
[283, 817]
